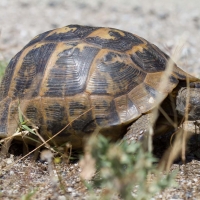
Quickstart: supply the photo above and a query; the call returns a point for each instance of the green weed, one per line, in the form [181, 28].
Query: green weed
[3, 65]
[29, 195]
[125, 170]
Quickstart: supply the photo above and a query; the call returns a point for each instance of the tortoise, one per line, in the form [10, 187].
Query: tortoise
[93, 79]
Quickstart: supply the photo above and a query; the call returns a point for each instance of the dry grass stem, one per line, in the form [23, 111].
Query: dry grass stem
[47, 140]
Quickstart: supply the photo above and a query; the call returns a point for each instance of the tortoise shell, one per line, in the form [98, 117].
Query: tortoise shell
[97, 80]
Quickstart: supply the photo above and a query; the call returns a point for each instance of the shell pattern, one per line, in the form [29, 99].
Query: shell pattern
[94, 79]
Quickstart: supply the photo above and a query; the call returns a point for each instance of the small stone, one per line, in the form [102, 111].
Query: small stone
[195, 180]
[163, 16]
[9, 161]
[69, 189]
[12, 173]
[61, 197]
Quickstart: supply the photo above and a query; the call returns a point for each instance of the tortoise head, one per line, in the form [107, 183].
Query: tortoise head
[188, 103]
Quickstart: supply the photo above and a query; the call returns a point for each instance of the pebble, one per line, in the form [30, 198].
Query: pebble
[12, 172]
[9, 161]
[69, 189]
[62, 198]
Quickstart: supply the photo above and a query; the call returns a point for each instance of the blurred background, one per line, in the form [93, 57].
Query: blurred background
[164, 23]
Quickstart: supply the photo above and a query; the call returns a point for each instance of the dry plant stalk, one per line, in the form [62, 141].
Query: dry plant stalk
[162, 95]
[87, 165]
[181, 135]
[23, 104]
[9, 167]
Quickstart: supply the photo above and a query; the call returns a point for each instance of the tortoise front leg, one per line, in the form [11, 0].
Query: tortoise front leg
[148, 125]
[139, 128]
[142, 130]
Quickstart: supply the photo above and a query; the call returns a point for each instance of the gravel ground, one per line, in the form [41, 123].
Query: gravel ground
[164, 23]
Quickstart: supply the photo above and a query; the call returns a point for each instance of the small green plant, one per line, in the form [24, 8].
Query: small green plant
[125, 170]
[23, 129]
[3, 65]
[23, 124]
[29, 195]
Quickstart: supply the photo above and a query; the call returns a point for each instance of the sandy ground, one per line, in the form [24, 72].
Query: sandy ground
[167, 24]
